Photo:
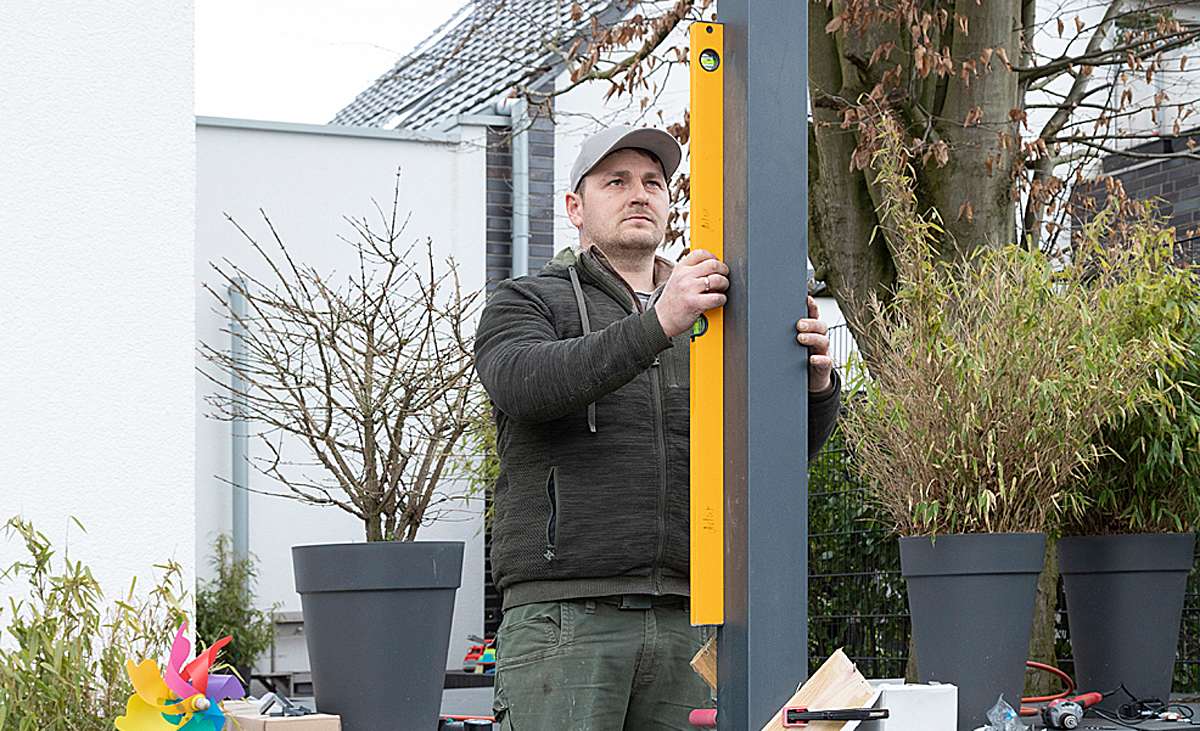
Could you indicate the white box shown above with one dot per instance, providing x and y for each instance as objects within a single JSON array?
[{"x": 932, "y": 707}]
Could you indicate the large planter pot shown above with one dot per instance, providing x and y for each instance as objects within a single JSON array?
[
  {"x": 377, "y": 623},
  {"x": 1124, "y": 603},
  {"x": 971, "y": 599}
]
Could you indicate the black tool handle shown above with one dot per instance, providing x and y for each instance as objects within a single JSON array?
[{"x": 795, "y": 715}]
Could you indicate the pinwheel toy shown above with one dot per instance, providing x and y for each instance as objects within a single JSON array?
[{"x": 180, "y": 696}]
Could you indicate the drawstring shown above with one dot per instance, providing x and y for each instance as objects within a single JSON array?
[{"x": 587, "y": 329}]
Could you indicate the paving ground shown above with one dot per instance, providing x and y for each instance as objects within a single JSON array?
[{"x": 467, "y": 702}]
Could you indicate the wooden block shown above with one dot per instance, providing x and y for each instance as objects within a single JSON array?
[
  {"x": 705, "y": 663},
  {"x": 836, "y": 684}
]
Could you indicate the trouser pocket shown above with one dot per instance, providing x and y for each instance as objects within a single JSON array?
[
  {"x": 532, "y": 632},
  {"x": 500, "y": 704}
]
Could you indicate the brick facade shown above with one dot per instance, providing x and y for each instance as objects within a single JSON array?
[
  {"x": 1173, "y": 182},
  {"x": 499, "y": 198}
]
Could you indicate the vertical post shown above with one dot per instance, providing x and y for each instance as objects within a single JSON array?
[
  {"x": 239, "y": 428},
  {"x": 762, "y": 647}
]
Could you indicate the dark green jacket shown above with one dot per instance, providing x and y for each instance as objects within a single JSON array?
[{"x": 591, "y": 405}]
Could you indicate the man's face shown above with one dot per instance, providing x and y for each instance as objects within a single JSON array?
[{"x": 622, "y": 204}]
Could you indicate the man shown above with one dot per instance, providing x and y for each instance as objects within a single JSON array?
[{"x": 587, "y": 367}]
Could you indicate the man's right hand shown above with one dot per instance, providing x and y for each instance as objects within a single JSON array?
[{"x": 697, "y": 284}]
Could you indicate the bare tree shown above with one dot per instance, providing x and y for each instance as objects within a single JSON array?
[{"x": 372, "y": 379}]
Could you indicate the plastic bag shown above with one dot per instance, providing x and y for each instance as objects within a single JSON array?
[{"x": 1002, "y": 717}]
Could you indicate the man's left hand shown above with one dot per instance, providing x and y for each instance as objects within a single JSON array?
[{"x": 814, "y": 334}]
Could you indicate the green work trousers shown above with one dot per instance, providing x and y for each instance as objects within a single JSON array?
[{"x": 589, "y": 665}]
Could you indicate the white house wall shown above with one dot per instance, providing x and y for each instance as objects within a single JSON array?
[
  {"x": 307, "y": 179},
  {"x": 96, "y": 400}
]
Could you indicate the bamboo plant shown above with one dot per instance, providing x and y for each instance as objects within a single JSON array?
[
  {"x": 64, "y": 642},
  {"x": 1147, "y": 477},
  {"x": 990, "y": 374}
]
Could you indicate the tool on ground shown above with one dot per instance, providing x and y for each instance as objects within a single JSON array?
[
  {"x": 707, "y": 376},
  {"x": 1068, "y": 688},
  {"x": 800, "y": 716},
  {"x": 286, "y": 706},
  {"x": 1067, "y": 713}
]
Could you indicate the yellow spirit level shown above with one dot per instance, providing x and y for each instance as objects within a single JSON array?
[{"x": 706, "y": 147}]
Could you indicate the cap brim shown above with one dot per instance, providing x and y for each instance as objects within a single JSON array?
[{"x": 655, "y": 141}]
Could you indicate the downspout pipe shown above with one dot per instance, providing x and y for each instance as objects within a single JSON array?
[
  {"x": 519, "y": 130},
  {"x": 239, "y": 426}
]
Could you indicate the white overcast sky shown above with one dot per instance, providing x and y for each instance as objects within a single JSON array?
[{"x": 301, "y": 60}]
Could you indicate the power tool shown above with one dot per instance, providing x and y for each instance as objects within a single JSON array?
[{"x": 1067, "y": 713}]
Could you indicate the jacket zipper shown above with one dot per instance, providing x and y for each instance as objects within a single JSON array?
[
  {"x": 552, "y": 521},
  {"x": 672, "y": 380},
  {"x": 659, "y": 428},
  {"x": 662, "y": 476}
]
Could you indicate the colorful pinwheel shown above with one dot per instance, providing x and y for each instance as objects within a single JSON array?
[{"x": 180, "y": 696}]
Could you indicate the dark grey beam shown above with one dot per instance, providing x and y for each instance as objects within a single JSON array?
[{"x": 762, "y": 648}]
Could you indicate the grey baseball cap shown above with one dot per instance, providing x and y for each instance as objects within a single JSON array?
[{"x": 598, "y": 146}]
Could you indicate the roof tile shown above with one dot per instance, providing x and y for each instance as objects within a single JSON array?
[{"x": 486, "y": 48}]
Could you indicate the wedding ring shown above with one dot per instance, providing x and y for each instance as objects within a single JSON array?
[{"x": 707, "y": 289}]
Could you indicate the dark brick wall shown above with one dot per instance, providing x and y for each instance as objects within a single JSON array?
[
  {"x": 499, "y": 205},
  {"x": 1173, "y": 182},
  {"x": 499, "y": 197}
]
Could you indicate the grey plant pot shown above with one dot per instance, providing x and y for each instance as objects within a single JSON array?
[
  {"x": 377, "y": 623},
  {"x": 971, "y": 599},
  {"x": 1124, "y": 603}
]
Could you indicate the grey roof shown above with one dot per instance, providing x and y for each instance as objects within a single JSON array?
[{"x": 478, "y": 55}]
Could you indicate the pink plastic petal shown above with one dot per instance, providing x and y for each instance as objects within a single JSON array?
[{"x": 180, "y": 649}]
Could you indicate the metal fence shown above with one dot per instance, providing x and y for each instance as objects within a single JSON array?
[
  {"x": 857, "y": 598},
  {"x": 856, "y": 595}
]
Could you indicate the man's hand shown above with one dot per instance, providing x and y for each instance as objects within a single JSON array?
[
  {"x": 697, "y": 284},
  {"x": 815, "y": 335}
]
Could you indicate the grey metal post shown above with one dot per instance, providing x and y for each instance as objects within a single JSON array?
[
  {"x": 762, "y": 647},
  {"x": 239, "y": 427},
  {"x": 520, "y": 187}
]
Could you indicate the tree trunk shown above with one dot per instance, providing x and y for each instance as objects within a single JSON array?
[
  {"x": 972, "y": 191},
  {"x": 846, "y": 253},
  {"x": 374, "y": 525},
  {"x": 1041, "y": 642},
  {"x": 910, "y": 668}
]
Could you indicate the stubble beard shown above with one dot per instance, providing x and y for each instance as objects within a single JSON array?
[{"x": 630, "y": 247}]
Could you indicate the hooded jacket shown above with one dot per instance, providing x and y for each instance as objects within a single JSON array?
[{"x": 592, "y": 414}]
